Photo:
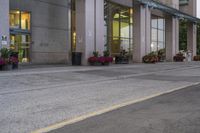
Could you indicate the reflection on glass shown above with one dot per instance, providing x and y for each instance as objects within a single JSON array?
[
  {"x": 20, "y": 20},
  {"x": 25, "y": 21},
  {"x": 21, "y": 44},
  {"x": 157, "y": 33},
  {"x": 15, "y": 19},
  {"x": 118, "y": 27}
]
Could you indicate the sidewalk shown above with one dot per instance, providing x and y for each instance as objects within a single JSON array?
[{"x": 31, "y": 99}]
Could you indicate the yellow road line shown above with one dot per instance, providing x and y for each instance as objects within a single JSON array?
[{"x": 114, "y": 107}]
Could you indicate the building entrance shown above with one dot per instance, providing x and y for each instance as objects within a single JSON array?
[
  {"x": 118, "y": 28},
  {"x": 21, "y": 44}
]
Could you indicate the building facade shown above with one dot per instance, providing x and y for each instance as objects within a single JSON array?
[{"x": 48, "y": 31}]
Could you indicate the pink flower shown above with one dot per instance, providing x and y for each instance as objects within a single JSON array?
[
  {"x": 14, "y": 59},
  {"x": 101, "y": 59},
  {"x": 2, "y": 61}
]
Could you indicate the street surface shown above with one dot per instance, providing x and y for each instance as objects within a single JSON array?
[
  {"x": 36, "y": 97},
  {"x": 177, "y": 112}
]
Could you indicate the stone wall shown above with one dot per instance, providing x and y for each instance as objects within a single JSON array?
[{"x": 49, "y": 27}]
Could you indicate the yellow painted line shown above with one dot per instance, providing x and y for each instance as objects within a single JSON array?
[{"x": 114, "y": 107}]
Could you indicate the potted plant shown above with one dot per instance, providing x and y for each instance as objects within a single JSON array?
[
  {"x": 161, "y": 55},
  {"x": 108, "y": 59},
  {"x": 150, "y": 58},
  {"x": 123, "y": 57},
  {"x": 196, "y": 58},
  {"x": 93, "y": 60},
  {"x": 179, "y": 57},
  {"x": 97, "y": 60},
  {"x": 2, "y": 64}
]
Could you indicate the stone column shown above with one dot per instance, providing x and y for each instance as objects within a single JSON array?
[
  {"x": 4, "y": 23},
  {"x": 192, "y": 38},
  {"x": 90, "y": 33},
  {"x": 141, "y": 32},
  {"x": 171, "y": 37}
]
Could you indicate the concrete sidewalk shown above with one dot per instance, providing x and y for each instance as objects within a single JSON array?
[{"x": 31, "y": 99}]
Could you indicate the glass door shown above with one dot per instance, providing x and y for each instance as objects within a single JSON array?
[
  {"x": 118, "y": 28},
  {"x": 21, "y": 44}
]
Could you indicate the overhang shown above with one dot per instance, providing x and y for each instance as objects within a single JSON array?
[{"x": 157, "y": 5}]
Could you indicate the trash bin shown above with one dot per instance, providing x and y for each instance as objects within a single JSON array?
[{"x": 76, "y": 58}]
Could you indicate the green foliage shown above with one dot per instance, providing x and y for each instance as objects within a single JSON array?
[
  {"x": 198, "y": 39},
  {"x": 183, "y": 35},
  {"x": 106, "y": 53},
  {"x": 96, "y": 54},
  {"x": 5, "y": 53}
]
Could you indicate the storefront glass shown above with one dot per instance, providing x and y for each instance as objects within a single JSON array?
[
  {"x": 73, "y": 26},
  {"x": 118, "y": 28},
  {"x": 157, "y": 34},
  {"x": 20, "y": 35}
]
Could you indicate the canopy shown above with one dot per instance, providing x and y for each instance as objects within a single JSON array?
[{"x": 175, "y": 12}]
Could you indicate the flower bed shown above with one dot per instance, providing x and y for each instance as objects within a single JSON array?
[
  {"x": 8, "y": 59},
  {"x": 150, "y": 58},
  {"x": 97, "y": 60},
  {"x": 196, "y": 58},
  {"x": 179, "y": 57}
]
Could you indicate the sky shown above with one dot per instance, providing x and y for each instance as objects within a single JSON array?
[{"x": 198, "y": 8}]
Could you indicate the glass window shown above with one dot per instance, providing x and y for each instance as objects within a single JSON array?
[
  {"x": 15, "y": 19},
  {"x": 157, "y": 34},
  {"x": 25, "y": 20},
  {"x": 154, "y": 23},
  {"x": 160, "y": 35},
  {"x": 154, "y": 34},
  {"x": 154, "y": 46},
  {"x": 161, "y": 45},
  {"x": 119, "y": 28},
  {"x": 161, "y": 24},
  {"x": 20, "y": 20}
]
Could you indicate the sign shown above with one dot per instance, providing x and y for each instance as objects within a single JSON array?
[{"x": 4, "y": 40}]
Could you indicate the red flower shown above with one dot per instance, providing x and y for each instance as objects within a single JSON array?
[
  {"x": 108, "y": 59},
  {"x": 93, "y": 59},
  {"x": 101, "y": 59}
]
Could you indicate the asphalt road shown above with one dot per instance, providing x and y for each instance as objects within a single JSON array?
[
  {"x": 35, "y": 98},
  {"x": 177, "y": 112}
]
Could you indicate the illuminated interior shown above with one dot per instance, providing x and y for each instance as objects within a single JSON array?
[
  {"x": 73, "y": 26},
  {"x": 118, "y": 28},
  {"x": 20, "y": 36}
]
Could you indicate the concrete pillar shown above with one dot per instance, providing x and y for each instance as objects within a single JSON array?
[
  {"x": 141, "y": 32},
  {"x": 148, "y": 29},
  {"x": 192, "y": 38},
  {"x": 90, "y": 33},
  {"x": 171, "y": 37},
  {"x": 4, "y": 23}
]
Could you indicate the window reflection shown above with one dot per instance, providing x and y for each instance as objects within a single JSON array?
[
  {"x": 25, "y": 20},
  {"x": 157, "y": 33},
  {"x": 15, "y": 19},
  {"x": 118, "y": 28},
  {"x": 19, "y": 20}
]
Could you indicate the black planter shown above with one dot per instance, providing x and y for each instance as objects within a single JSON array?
[
  {"x": 121, "y": 60},
  {"x": 15, "y": 66},
  {"x": 1, "y": 67},
  {"x": 76, "y": 58}
]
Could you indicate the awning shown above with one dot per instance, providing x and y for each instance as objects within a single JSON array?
[{"x": 169, "y": 10}]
